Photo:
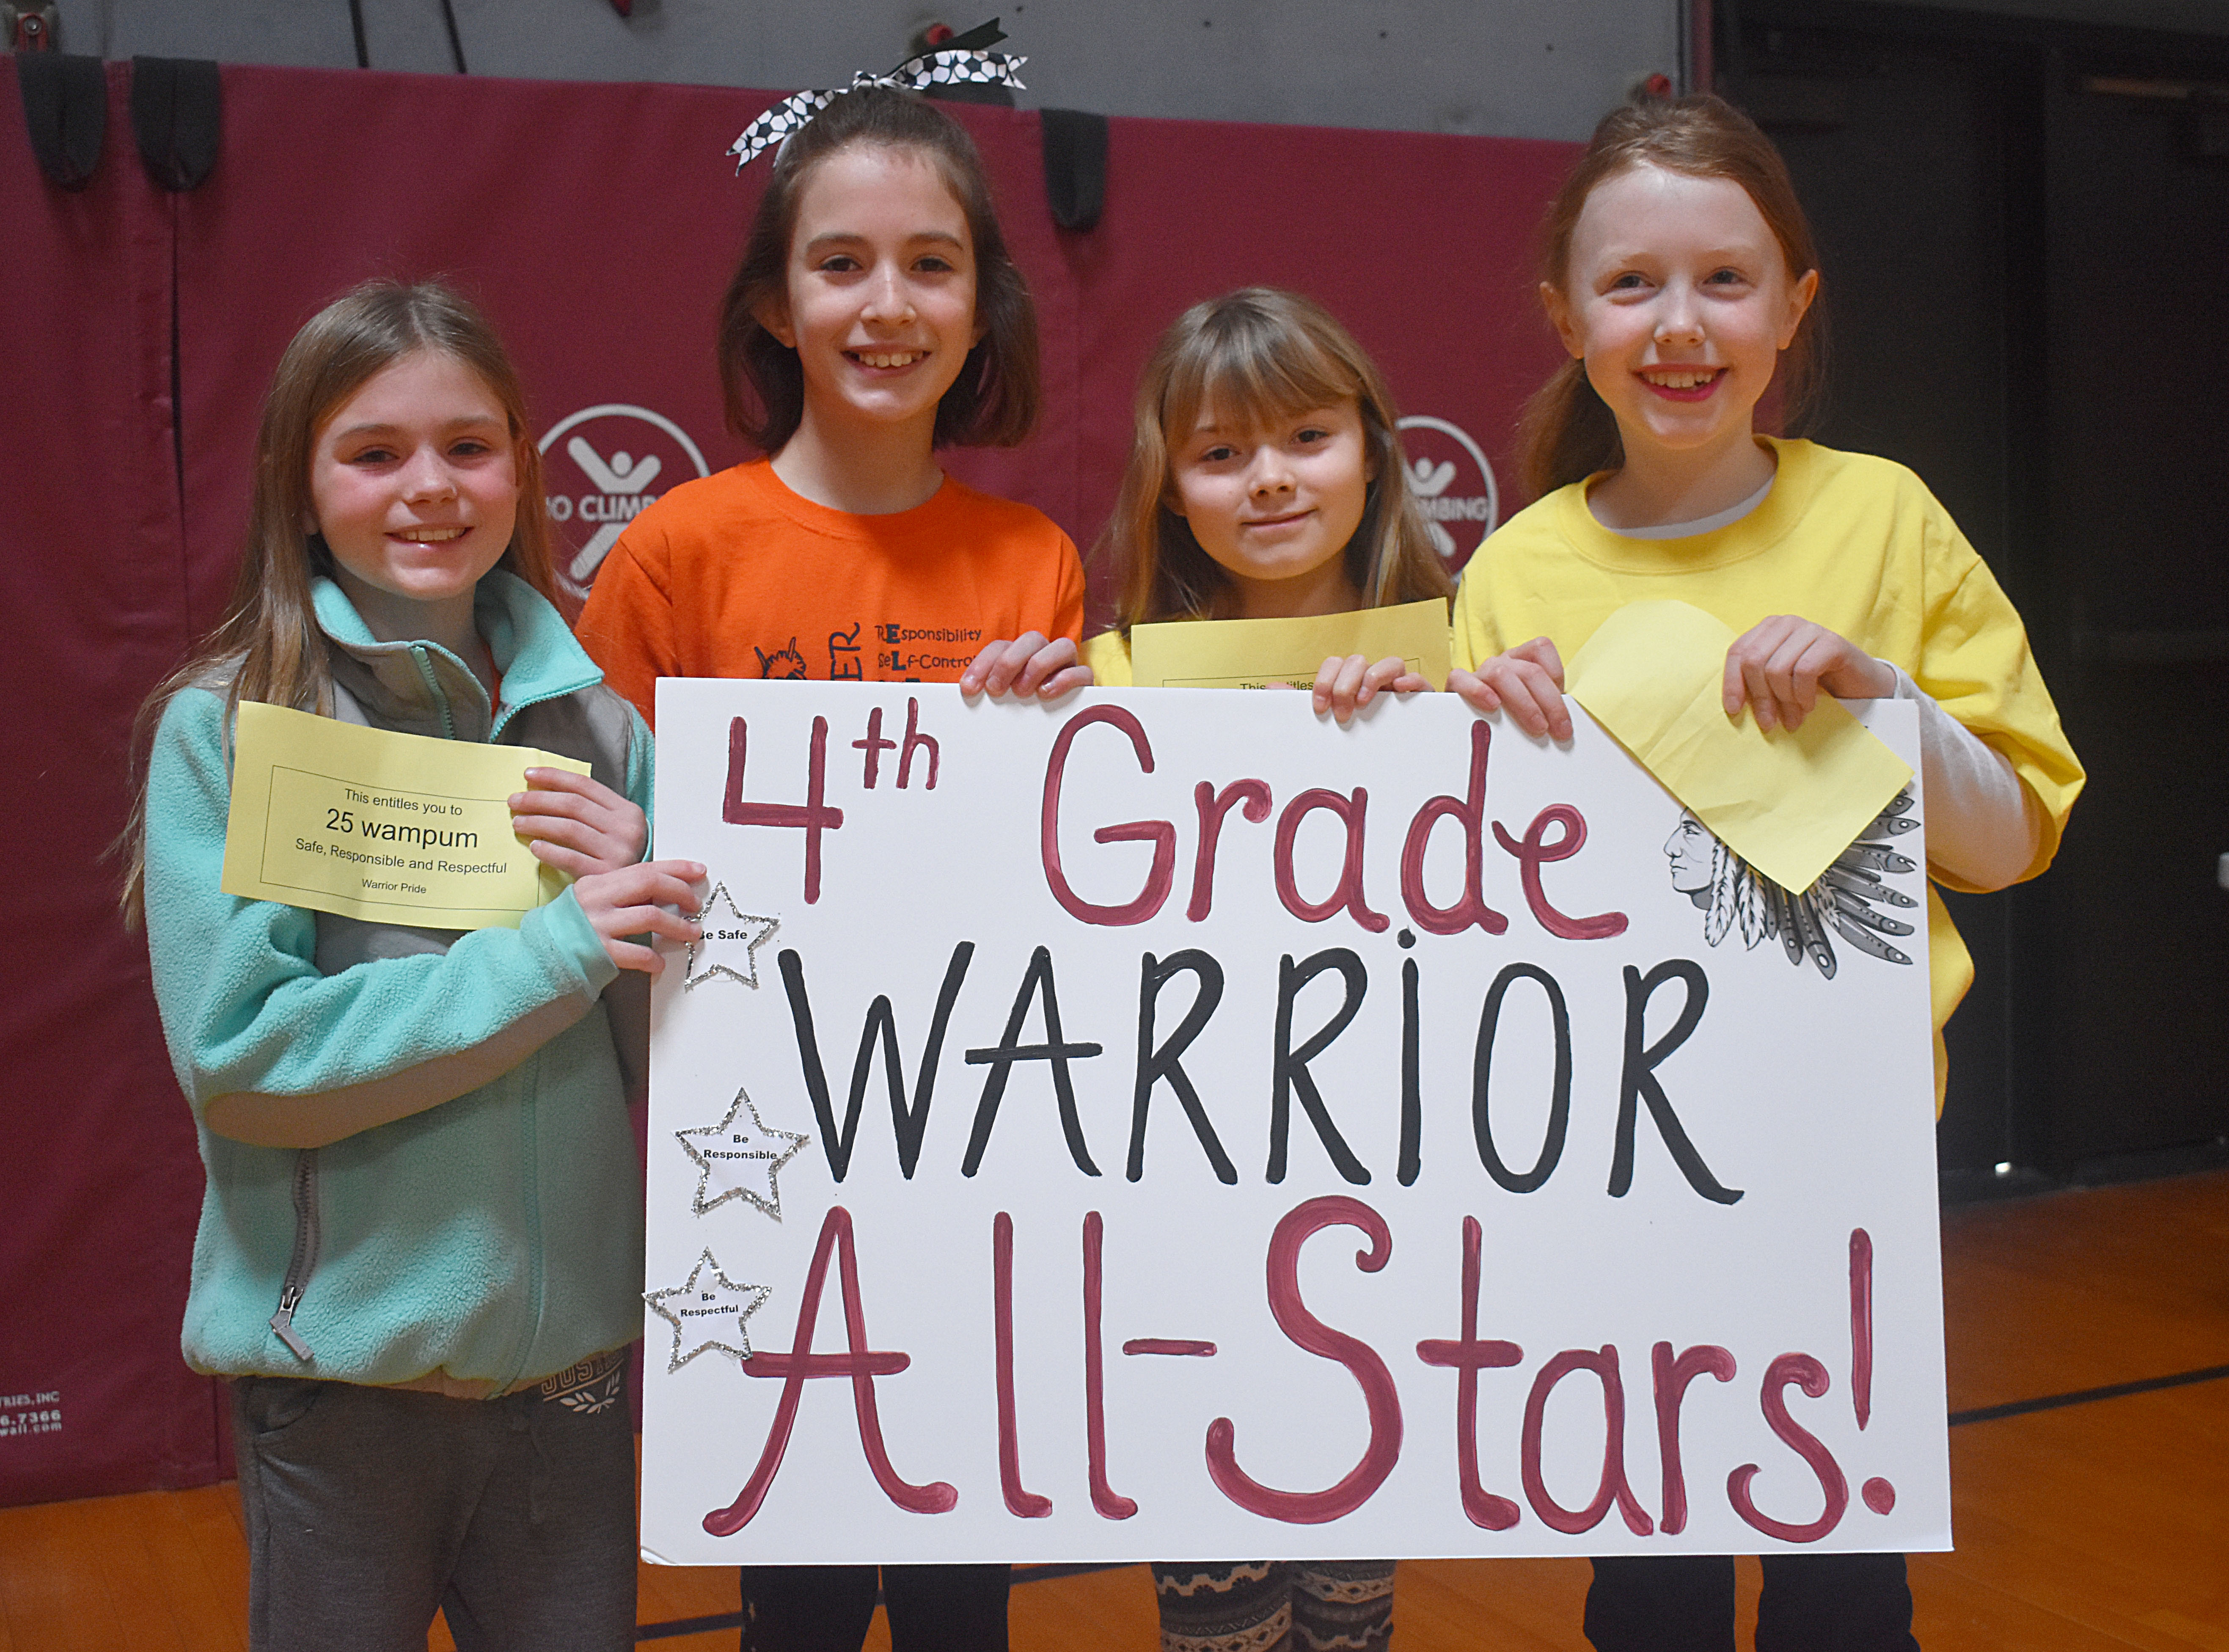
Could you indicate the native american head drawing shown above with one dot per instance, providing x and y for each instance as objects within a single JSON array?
[{"x": 1738, "y": 899}]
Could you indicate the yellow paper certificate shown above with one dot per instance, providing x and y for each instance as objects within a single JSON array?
[
  {"x": 371, "y": 824},
  {"x": 1253, "y": 653},
  {"x": 1786, "y": 803}
]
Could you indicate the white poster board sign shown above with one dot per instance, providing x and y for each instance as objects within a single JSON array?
[{"x": 1165, "y": 1123}]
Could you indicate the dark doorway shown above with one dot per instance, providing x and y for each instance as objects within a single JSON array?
[{"x": 2022, "y": 227}]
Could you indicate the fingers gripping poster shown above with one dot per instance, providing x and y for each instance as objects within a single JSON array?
[{"x": 1167, "y": 1123}]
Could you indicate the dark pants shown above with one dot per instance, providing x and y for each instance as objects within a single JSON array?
[
  {"x": 1811, "y": 1603},
  {"x": 826, "y": 1609},
  {"x": 368, "y": 1508}
]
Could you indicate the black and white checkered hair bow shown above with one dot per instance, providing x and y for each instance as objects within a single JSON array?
[{"x": 960, "y": 61}]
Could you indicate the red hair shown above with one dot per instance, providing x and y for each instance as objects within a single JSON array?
[{"x": 1567, "y": 432}]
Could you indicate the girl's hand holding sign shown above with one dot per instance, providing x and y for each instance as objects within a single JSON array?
[
  {"x": 1343, "y": 686},
  {"x": 1526, "y": 681},
  {"x": 648, "y": 899},
  {"x": 1027, "y": 666}
]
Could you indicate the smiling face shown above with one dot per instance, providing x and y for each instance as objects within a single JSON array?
[
  {"x": 1275, "y": 505},
  {"x": 1679, "y": 299},
  {"x": 880, "y": 298},
  {"x": 414, "y": 486}
]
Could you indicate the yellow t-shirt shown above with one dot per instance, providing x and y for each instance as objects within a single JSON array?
[
  {"x": 1108, "y": 656},
  {"x": 1855, "y": 544}
]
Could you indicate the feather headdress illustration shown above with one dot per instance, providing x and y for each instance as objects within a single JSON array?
[{"x": 1738, "y": 899}]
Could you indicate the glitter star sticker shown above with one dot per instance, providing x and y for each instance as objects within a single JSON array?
[
  {"x": 697, "y": 1308},
  {"x": 730, "y": 934},
  {"x": 744, "y": 1153}
]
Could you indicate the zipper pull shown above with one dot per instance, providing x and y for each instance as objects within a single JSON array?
[{"x": 283, "y": 1323}]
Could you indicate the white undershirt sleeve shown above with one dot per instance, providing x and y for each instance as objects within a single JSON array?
[{"x": 1983, "y": 826}]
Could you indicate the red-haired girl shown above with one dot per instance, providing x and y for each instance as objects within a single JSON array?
[{"x": 1680, "y": 276}]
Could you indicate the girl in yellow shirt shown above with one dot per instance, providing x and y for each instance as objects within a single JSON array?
[{"x": 1680, "y": 276}]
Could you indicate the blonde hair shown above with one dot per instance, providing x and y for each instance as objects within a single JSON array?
[
  {"x": 1254, "y": 356},
  {"x": 1567, "y": 432},
  {"x": 268, "y": 647}
]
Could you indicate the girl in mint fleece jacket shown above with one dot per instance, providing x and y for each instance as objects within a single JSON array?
[{"x": 419, "y": 1251}]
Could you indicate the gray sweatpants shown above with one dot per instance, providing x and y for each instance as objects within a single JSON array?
[{"x": 367, "y": 1508}]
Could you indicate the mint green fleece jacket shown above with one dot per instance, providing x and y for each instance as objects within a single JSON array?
[{"x": 495, "y": 1236}]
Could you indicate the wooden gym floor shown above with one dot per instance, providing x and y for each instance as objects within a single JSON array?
[{"x": 2089, "y": 1386}]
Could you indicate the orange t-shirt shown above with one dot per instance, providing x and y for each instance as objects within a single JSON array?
[{"x": 735, "y": 576}]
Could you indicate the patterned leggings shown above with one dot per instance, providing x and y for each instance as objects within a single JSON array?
[{"x": 1275, "y": 1605}]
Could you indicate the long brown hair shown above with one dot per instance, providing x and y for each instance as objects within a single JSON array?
[
  {"x": 993, "y": 403},
  {"x": 268, "y": 647},
  {"x": 1254, "y": 356},
  {"x": 1567, "y": 432}
]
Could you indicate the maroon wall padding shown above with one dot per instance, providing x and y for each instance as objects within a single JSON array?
[
  {"x": 598, "y": 224},
  {"x": 593, "y": 222},
  {"x": 99, "y": 1181}
]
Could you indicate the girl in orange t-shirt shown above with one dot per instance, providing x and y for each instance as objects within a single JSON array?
[{"x": 875, "y": 317}]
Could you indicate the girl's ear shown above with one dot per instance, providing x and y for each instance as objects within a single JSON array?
[
  {"x": 774, "y": 316},
  {"x": 1560, "y": 318},
  {"x": 1800, "y": 294}
]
